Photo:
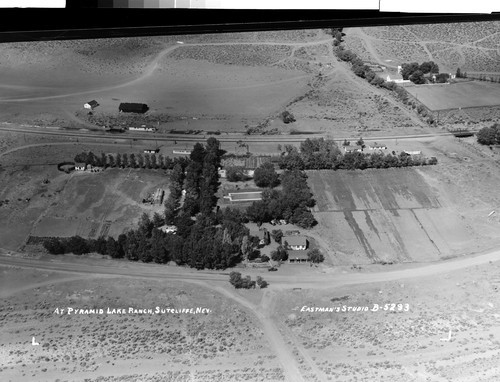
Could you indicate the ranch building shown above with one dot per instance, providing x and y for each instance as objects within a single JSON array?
[
  {"x": 151, "y": 151},
  {"x": 91, "y": 105},
  {"x": 133, "y": 107},
  {"x": 351, "y": 149},
  {"x": 80, "y": 166},
  {"x": 294, "y": 243},
  {"x": 377, "y": 146},
  {"x": 298, "y": 257}
]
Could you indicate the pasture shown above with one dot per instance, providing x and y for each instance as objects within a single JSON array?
[
  {"x": 93, "y": 204},
  {"x": 459, "y": 95},
  {"x": 384, "y": 215}
]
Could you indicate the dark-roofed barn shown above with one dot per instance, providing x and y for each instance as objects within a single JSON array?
[{"x": 133, "y": 107}]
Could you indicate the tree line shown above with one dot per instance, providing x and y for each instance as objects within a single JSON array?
[
  {"x": 133, "y": 160},
  {"x": 489, "y": 135},
  {"x": 324, "y": 154}
]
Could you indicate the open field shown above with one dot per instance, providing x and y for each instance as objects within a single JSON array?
[
  {"x": 78, "y": 203},
  {"x": 459, "y": 95},
  {"x": 126, "y": 346},
  {"x": 381, "y": 345},
  {"x": 413, "y": 214}
]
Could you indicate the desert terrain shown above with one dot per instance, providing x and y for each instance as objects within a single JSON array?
[{"x": 404, "y": 236}]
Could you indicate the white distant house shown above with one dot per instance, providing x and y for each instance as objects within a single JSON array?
[
  {"x": 80, "y": 166},
  {"x": 397, "y": 80},
  {"x": 414, "y": 152},
  {"x": 377, "y": 146},
  {"x": 91, "y": 105},
  {"x": 295, "y": 257}
]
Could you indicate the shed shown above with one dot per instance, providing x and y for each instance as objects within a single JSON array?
[
  {"x": 91, "y": 104},
  {"x": 295, "y": 243},
  {"x": 298, "y": 256},
  {"x": 133, "y": 107}
]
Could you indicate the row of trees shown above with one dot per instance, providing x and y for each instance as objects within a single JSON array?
[
  {"x": 139, "y": 160},
  {"x": 489, "y": 135},
  {"x": 364, "y": 71},
  {"x": 321, "y": 154},
  {"x": 212, "y": 242},
  {"x": 292, "y": 203},
  {"x": 246, "y": 282}
]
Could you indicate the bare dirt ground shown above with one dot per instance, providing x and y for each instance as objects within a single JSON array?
[
  {"x": 126, "y": 346},
  {"x": 473, "y": 47},
  {"x": 413, "y": 214},
  {"x": 78, "y": 203}
]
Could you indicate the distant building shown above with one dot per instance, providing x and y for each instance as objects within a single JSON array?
[
  {"x": 298, "y": 256},
  {"x": 80, "y": 166},
  {"x": 294, "y": 243},
  {"x": 377, "y": 146},
  {"x": 168, "y": 228},
  {"x": 151, "y": 151},
  {"x": 415, "y": 152},
  {"x": 91, "y": 105},
  {"x": 182, "y": 152},
  {"x": 142, "y": 128},
  {"x": 133, "y": 107},
  {"x": 351, "y": 149}
]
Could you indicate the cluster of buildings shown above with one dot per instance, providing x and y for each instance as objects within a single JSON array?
[
  {"x": 156, "y": 197},
  {"x": 88, "y": 167}
]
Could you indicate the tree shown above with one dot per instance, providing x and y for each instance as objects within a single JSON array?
[
  {"x": 103, "y": 160},
  {"x": 408, "y": 69},
  {"x": 417, "y": 77},
  {"x": 459, "y": 73},
  {"x": 277, "y": 234},
  {"x": 487, "y": 136},
  {"x": 235, "y": 174},
  {"x": 280, "y": 254},
  {"x": 157, "y": 220},
  {"x": 125, "y": 163},
  {"x": 118, "y": 160},
  {"x": 287, "y": 117},
  {"x": 360, "y": 142},
  {"x": 261, "y": 282},
  {"x": 111, "y": 160},
  {"x": 112, "y": 248},
  {"x": 133, "y": 161},
  {"x": 235, "y": 279},
  {"x": 140, "y": 160},
  {"x": 265, "y": 176},
  {"x": 154, "y": 163},
  {"x": 147, "y": 161},
  {"x": 54, "y": 246},
  {"x": 315, "y": 256}
]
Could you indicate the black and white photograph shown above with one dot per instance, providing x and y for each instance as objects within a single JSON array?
[{"x": 299, "y": 205}]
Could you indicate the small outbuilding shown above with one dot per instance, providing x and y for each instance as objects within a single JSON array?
[
  {"x": 91, "y": 105},
  {"x": 352, "y": 149},
  {"x": 133, "y": 107}
]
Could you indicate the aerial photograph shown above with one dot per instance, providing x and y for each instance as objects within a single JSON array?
[{"x": 290, "y": 205}]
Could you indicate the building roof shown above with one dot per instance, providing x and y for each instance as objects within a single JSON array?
[
  {"x": 298, "y": 255},
  {"x": 93, "y": 103},
  {"x": 294, "y": 240},
  {"x": 352, "y": 148},
  {"x": 133, "y": 107},
  {"x": 79, "y": 164}
]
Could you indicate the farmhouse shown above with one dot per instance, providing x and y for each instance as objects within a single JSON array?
[
  {"x": 415, "y": 152},
  {"x": 298, "y": 257},
  {"x": 182, "y": 152},
  {"x": 151, "y": 151},
  {"x": 351, "y": 149},
  {"x": 294, "y": 243},
  {"x": 80, "y": 166},
  {"x": 133, "y": 107},
  {"x": 91, "y": 105}
]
